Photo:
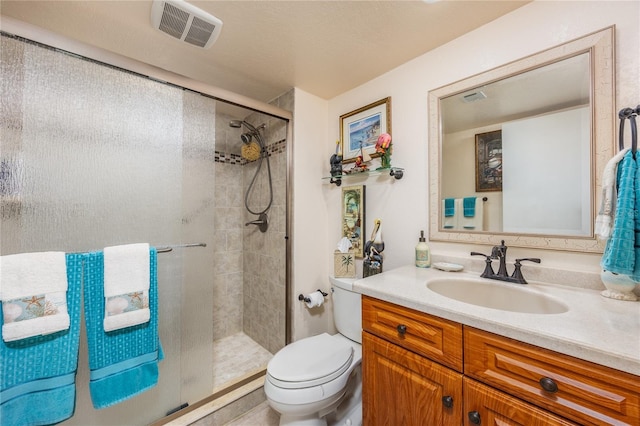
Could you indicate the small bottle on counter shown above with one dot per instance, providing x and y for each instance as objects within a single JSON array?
[{"x": 423, "y": 254}]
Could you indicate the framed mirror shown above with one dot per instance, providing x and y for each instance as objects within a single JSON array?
[{"x": 517, "y": 152}]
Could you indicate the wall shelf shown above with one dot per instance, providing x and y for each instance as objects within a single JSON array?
[{"x": 396, "y": 172}]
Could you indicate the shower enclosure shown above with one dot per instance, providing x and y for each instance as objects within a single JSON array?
[{"x": 93, "y": 156}]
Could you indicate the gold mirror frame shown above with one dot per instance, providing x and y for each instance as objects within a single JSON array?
[{"x": 600, "y": 46}]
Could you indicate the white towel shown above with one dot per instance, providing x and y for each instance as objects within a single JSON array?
[
  {"x": 33, "y": 290},
  {"x": 471, "y": 223},
  {"x": 126, "y": 286},
  {"x": 604, "y": 220}
]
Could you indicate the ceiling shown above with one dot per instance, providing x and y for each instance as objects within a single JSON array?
[
  {"x": 267, "y": 47},
  {"x": 553, "y": 87}
]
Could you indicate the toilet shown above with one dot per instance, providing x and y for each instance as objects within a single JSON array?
[{"x": 317, "y": 381}]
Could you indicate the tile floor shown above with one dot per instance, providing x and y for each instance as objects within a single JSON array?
[
  {"x": 262, "y": 415},
  {"x": 236, "y": 355}
]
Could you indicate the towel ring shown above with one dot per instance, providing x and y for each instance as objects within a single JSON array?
[{"x": 629, "y": 113}]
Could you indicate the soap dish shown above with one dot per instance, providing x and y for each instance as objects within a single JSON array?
[{"x": 449, "y": 267}]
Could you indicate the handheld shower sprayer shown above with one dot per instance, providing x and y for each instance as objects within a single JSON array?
[{"x": 257, "y": 152}]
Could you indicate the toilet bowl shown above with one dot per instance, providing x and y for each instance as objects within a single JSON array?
[{"x": 317, "y": 380}]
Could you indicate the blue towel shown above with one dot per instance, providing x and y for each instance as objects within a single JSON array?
[
  {"x": 449, "y": 207},
  {"x": 469, "y": 206},
  {"x": 621, "y": 251},
  {"x": 124, "y": 362},
  {"x": 37, "y": 384}
]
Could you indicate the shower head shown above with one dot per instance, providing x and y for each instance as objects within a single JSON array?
[
  {"x": 245, "y": 137},
  {"x": 236, "y": 124},
  {"x": 252, "y": 133}
]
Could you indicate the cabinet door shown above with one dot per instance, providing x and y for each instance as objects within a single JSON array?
[
  {"x": 401, "y": 388},
  {"x": 486, "y": 406}
]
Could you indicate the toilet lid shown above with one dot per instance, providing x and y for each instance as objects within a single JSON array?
[{"x": 316, "y": 359}]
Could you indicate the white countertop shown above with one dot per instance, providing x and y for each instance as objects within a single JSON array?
[{"x": 595, "y": 328}]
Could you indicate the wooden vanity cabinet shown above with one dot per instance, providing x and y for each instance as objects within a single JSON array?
[
  {"x": 413, "y": 368},
  {"x": 486, "y": 406},
  {"x": 582, "y": 391},
  {"x": 435, "y": 338},
  {"x": 401, "y": 386}
]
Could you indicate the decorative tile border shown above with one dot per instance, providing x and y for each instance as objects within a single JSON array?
[
  {"x": 223, "y": 157},
  {"x": 278, "y": 147}
]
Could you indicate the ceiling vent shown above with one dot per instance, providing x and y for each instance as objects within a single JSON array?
[
  {"x": 185, "y": 22},
  {"x": 475, "y": 96}
]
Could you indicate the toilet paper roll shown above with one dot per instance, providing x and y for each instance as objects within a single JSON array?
[{"x": 315, "y": 299}]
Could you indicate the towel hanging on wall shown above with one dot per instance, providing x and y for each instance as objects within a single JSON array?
[{"x": 622, "y": 252}]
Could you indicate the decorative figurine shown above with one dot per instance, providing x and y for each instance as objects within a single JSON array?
[
  {"x": 383, "y": 147},
  {"x": 361, "y": 162},
  {"x": 336, "y": 165},
  {"x": 360, "y": 165},
  {"x": 372, "y": 263}
]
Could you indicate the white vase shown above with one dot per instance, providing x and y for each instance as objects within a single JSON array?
[{"x": 618, "y": 286}]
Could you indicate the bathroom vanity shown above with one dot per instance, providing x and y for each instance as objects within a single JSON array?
[{"x": 429, "y": 359}]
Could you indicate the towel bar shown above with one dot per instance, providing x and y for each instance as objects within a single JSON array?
[{"x": 166, "y": 249}]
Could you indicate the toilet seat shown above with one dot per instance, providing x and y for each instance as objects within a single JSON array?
[{"x": 310, "y": 362}]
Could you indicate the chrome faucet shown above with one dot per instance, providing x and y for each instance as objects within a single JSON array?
[{"x": 500, "y": 253}]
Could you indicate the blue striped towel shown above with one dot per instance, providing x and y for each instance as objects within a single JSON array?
[
  {"x": 124, "y": 362},
  {"x": 37, "y": 384},
  {"x": 469, "y": 206},
  {"x": 449, "y": 207},
  {"x": 621, "y": 251}
]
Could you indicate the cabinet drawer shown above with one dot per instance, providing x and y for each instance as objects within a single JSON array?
[
  {"x": 486, "y": 406},
  {"x": 584, "y": 392},
  {"x": 437, "y": 339}
]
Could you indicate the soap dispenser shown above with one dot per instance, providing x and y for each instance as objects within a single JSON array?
[{"x": 423, "y": 254}]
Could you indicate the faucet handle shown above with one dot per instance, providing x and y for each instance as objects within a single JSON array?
[
  {"x": 517, "y": 272},
  {"x": 475, "y": 253},
  {"x": 529, "y": 259},
  {"x": 488, "y": 270}
]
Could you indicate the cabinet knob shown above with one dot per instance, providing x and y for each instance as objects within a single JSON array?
[
  {"x": 447, "y": 401},
  {"x": 474, "y": 417},
  {"x": 402, "y": 329},
  {"x": 549, "y": 385}
]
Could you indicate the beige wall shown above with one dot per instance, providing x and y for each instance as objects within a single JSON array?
[
  {"x": 311, "y": 242},
  {"x": 403, "y": 205}
]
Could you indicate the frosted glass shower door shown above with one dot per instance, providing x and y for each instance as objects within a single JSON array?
[{"x": 93, "y": 156}]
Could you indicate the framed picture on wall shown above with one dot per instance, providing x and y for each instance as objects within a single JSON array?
[
  {"x": 353, "y": 220},
  {"x": 489, "y": 161},
  {"x": 359, "y": 129}
]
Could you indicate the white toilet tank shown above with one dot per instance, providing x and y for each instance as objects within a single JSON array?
[{"x": 347, "y": 308}]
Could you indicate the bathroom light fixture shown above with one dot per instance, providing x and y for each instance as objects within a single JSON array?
[{"x": 185, "y": 22}]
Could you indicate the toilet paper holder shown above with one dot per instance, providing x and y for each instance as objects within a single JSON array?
[{"x": 306, "y": 299}]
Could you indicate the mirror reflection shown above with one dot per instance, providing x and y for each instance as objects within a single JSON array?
[
  {"x": 516, "y": 153},
  {"x": 523, "y": 144}
]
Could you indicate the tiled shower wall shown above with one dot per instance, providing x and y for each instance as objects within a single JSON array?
[
  {"x": 250, "y": 270},
  {"x": 228, "y": 224},
  {"x": 265, "y": 253}
]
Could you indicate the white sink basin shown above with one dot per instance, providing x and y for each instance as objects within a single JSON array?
[{"x": 502, "y": 296}]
